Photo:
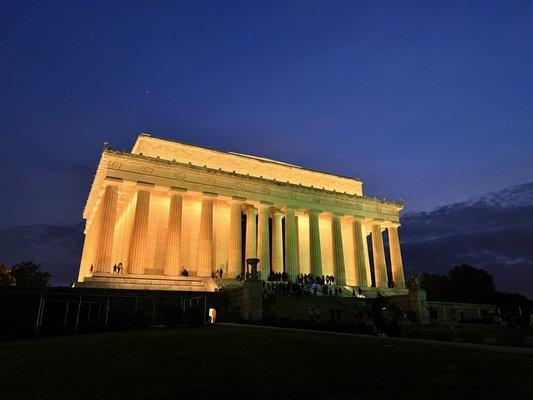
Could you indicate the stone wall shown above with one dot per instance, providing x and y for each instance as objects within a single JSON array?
[
  {"x": 247, "y": 300},
  {"x": 448, "y": 312}
]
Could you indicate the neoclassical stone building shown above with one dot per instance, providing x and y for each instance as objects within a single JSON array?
[{"x": 168, "y": 206}]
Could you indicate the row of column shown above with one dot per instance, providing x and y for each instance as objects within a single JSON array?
[
  {"x": 259, "y": 246},
  {"x": 257, "y": 240}
]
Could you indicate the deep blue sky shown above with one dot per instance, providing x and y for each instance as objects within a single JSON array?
[{"x": 429, "y": 102}]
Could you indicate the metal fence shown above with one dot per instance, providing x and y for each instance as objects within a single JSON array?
[{"x": 53, "y": 312}]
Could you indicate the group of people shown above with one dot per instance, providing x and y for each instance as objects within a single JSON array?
[
  {"x": 217, "y": 273},
  {"x": 305, "y": 284},
  {"x": 117, "y": 268},
  {"x": 307, "y": 279},
  {"x": 278, "y": 277}
]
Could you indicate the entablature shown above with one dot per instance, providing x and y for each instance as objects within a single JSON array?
[{"x": 164, "y": 174}]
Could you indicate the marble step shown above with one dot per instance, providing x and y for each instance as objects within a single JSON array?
[
  {"x": 148, "y": 282},
  {"x": 145, "y": 281},
  {"x": 114, "y": 285}
]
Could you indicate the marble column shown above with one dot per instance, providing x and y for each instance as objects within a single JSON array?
[
  {"x": 378, "y": 253},
  {"x": 366, "y": 235},
  {"x": 314, "y": 243},
  {"x": 172, "y": 263},
  {"x": 277, "y": 242},
  {"x": 95, "y": 229},
  {"x": 263, "y": 242},
  {"x": 235, "y": 240},
  {"x": 205, "y": 239},
  {"x": 359, "y": 247},
  {"x": 396, "y": 257},
  {"x": 291, "y": 245},
  {"x": 85, "y": 257},
  {"x": 106, "y": 232},
  {"x": 136, "y": 257},
  {"x": 89, "y": 247},
  {"x": 297, "y": 228},
  {"x": 251, "y": 233},
  {"x": 338, "y": 250}
]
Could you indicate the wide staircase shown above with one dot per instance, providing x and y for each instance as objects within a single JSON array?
[
  {"x": 149, "y": 282},
  {"x": 227, "y": 283}
]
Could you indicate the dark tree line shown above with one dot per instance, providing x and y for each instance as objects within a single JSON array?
[
  {"x": 24, "y": 275},
  {"x": 467, "y": 284}
]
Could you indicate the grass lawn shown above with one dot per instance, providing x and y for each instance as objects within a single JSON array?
[{"x": 248, "y": 362}]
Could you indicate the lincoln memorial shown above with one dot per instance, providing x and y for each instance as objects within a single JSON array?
[{"x": 168, "y": 207}]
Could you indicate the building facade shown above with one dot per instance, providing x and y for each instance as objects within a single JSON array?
[{"x": 167, "y": 206}]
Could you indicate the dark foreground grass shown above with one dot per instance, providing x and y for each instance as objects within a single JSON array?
[{"x": 246, "y": 362}]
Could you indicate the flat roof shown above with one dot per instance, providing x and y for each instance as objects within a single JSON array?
[{"x": 263, "y": 159}]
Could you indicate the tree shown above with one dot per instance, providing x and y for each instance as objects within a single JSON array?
[
  {"x": 470, "y": 284},
  {"x": 463, "y": 283},
  {"x": 437, "y": 286},
  {"x": 467, "y": 284},
  {"x": 28, "y": 275},
  {"x": 5, "y": 276}
]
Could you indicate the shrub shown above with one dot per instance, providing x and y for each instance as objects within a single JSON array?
[
  {"x": 470, "y": 336},
  {"x": 411, "y": 332},
  {"x": 443, "y": 334},
  {"x": 511, "y": 337}
]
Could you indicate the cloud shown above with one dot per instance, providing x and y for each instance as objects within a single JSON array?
[{"x": 493, "y": 232}]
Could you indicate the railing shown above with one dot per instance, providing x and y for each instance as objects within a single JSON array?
[
  {"x": 68, "y": 311},
  {"x": 219, "y": 282}
]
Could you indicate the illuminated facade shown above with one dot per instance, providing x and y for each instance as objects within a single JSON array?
[{"x": 169, "y": 206}]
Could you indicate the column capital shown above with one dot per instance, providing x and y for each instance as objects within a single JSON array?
[
  {"x": 112, "y": 181},
  {"x": 250, "y": 209},
  {"x": 144, "y": 185},
  {"x": 314, "y": 211},
  {"x": 337, "y": 215},
  {"x": 262, "y": 206},
  {"x": 176, "y": 190},
  {"x": 209, "y": 195},
  {"x": 278, "y": 214},
  {"x": 291, "y": 207},
  {"x": 238, "y": 199}
]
